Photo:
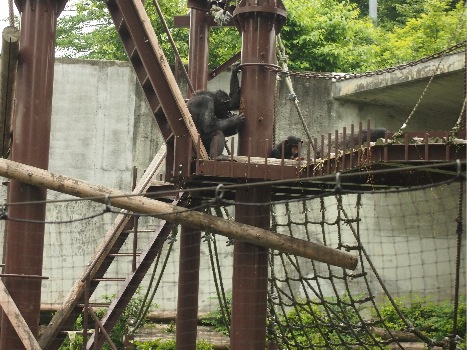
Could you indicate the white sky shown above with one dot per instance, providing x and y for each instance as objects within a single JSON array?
[{"x": 4, "y": 13}]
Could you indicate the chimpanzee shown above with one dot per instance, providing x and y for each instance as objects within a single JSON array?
[
  {"x": 211, "y": 113},
  {"x": 290, "y": 148}
]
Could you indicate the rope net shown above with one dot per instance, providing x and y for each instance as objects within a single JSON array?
[
  {"x": 409, "y": 285},
  {"x": 408, "y": 245}
]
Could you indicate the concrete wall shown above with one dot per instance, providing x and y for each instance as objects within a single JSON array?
[
  {"x": 102, "y": 127},
  {"x": 387, "y": 99}
]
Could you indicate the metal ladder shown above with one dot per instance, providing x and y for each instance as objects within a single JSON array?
[{"x": 76, "y": 300}]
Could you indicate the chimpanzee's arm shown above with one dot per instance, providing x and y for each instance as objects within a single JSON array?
[
  {"x": 277, "y": 151},
  {"x": 234, "y": 88},
  {"x": 230, "y": 126}
]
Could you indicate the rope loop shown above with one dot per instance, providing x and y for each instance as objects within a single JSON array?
[
  {"x": 219, "y": 193},
  {"x": 338, "y": 187}
]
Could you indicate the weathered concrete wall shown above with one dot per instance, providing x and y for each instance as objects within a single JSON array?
[
  {"x": 386, "y": 99},
  {"x": 102, "y": 127}
]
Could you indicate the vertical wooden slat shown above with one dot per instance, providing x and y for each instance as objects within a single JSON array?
[
  {"x": 328, "y": 156},
  {"x": 352, "y": 144},
  {"x": 427, "y": 155},
  {"x": 406, "y": 147},
  {"x": 344, "y": 147}
]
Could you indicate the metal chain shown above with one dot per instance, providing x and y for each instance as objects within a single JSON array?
[{"x": 337, "y": 77}]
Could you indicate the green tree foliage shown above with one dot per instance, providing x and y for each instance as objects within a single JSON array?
[
  {"x": 438, "y": 27},
  {"x": 319, "y": 35},
  {"x": 329, "y": 35},
  {"x": 395, "y": 13},
  {"x": 86, "y": 30}
]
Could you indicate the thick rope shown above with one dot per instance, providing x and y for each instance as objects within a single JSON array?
[
  {"x": 459, "y": 232},
  {"x": 11, "y": 16},
  {"x": 282, "y": 59},
  {"x": 147, "y": 300}
]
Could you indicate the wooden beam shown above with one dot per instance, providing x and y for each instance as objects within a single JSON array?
[
  {"x": 9, "y": 63},
  {"x": 161, "y": 210},
  {"x": 17, "y": 321},
  {"x": 77, "y": 291}
]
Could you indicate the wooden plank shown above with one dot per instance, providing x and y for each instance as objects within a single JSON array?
[{"x": 17, "y": 321}]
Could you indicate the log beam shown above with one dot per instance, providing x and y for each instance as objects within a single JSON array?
[
  {"x": 204, "y": 222},
  {"x": 9, "y": 63}
]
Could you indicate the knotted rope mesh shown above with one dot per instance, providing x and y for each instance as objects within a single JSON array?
[{"x": 409, "y": 249}]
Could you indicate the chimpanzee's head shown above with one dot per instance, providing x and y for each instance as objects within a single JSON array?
[
  {"x": 292, "y": 143},
  {"x": 221, "y": 104}
]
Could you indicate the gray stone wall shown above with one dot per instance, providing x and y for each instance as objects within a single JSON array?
[{"x": 102, "y": 127}]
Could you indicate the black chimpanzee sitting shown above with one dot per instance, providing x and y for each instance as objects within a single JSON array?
[
  {"x": 290, "y": 148},
  {"x": 211, "y": 113}
]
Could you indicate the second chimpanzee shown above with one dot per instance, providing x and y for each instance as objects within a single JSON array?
[
  {"x": 291, "y": 147},
  {"x": 211, "y": 113}
]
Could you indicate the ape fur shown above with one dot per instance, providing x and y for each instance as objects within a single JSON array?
[
  {"x": 211, "y": 113},
  {"x": 290, "y": 148}
]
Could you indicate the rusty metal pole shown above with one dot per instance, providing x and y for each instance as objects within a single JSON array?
[
  {"x": 24, "y": 241},
  {"x": 199, "y": 44},
  {"x": 259, "y": 22},
  {"x": 190, "y": 239}
]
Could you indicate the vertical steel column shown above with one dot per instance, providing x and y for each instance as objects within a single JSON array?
[
  {"x": 190, "y": 239},
  {"x": 24, "y": 241},
  {"x": 199, "y": 44},
  {"x": 259, "y": 24}
]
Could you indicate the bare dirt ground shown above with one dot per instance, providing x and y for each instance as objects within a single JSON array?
[
  {"x": 163, "y": 331},
  {"x": 222, "y": 342}
]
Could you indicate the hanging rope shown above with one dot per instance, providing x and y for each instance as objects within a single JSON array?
[
  {"x": 442, "y": 56},
  {"x": 11, "y": 17},
  {"x": 217, "y": 275},
  {"x": 283, "y": 59},
  {"x": 460, "y": 123},
  {"x": 172, "y": 43},
  {"x": 453, "y": 340},
  {"x": 147, "y": 300}
]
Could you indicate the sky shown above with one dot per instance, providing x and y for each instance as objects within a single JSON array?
[{"x": 4, "y": 12}]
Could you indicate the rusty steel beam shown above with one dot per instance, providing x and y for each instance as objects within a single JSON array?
[
  {"x": 199, "y": 45},
  {"x": 190, "y": 240},
  {"x": 156, "y": 78},
  {"x": 259, "y": 23},
  {"x": 24, "y": 240}
]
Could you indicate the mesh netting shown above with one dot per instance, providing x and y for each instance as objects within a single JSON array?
[{"x": 407, "y": 287}]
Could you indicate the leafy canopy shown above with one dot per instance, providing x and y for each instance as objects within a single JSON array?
[
  {"x": 438, "y": 27},
  {"x": 319, "y": 35},
  {"x": 329, "y": 35}
]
